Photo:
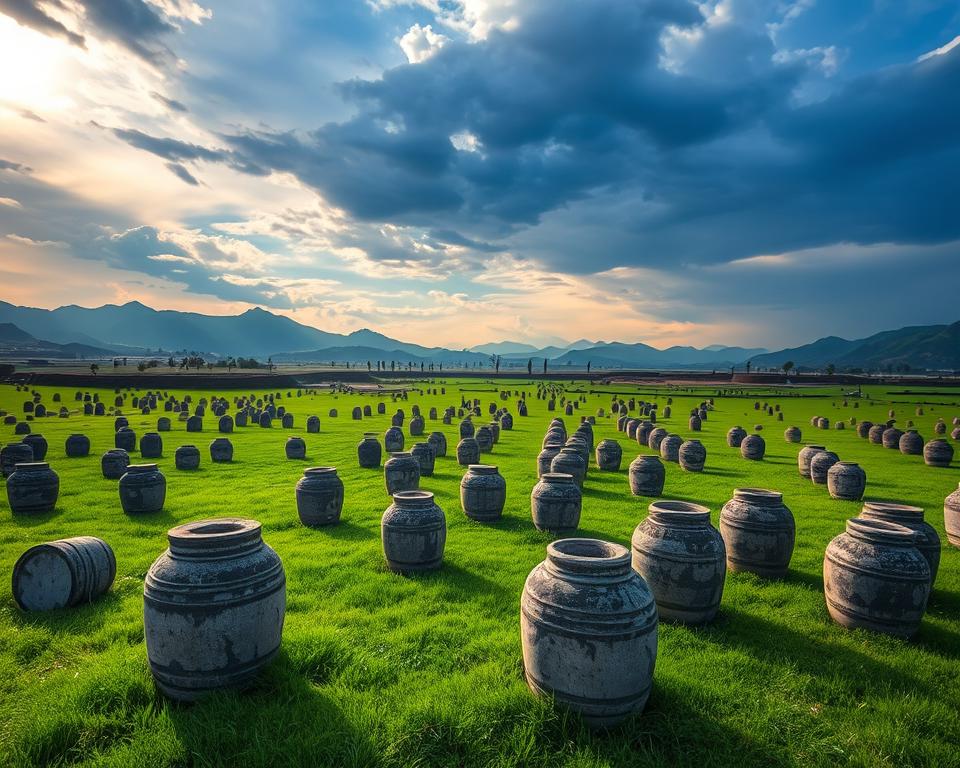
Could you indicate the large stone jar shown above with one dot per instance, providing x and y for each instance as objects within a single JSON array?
[
  {"x": 569, "y": 461},
  {"x": 646, "y": 476},
  {"x": 438, "y": 441},
  {"x": 938, "y": 453},
  {"x": 588, "y": 627},
  {"x": 414, "y": 532},
  {"x": 874, "y": 577},
  {"x": 38, "y": 443},
  {"x": 114, "y": 463},
  {"x": 416, "y": 426},
  {"x": 484, "y": 438},
  {"x": 792, "y": 434},
  {"x": 393, "y": 440},
  {"x": 468, "y": 451},
  {"x": 609, "y": 455},
  {"x": 77, "y": 446},
  {"x": 295, "y": 447},
  {"x": 225, "y": 424},
  {"x": 753, "y": 447},
  {"x": 213, "y": 607},
  {"x": 187, "y": 457},
  {"x": 758, "y": 532},
  {"x": 151, "y": 446},
  {"x": 401, "y": 472},
  {"x": 221, "y": 450},
  {"x": 804, "y": 457},
  {"x": 657, "y": 436},
  {"x": 483, "y": 492},
  {"x": 951, "y": 517},
  {"x": 694, "y": 423},
  {"x": 546, "y": 456},
  {"x": 319, "y": 497},
  {"x": 670, "y": 448},
  {"x": 928, "y": 540},
  {"x": 735, "y": 436},
  {"x": 369, "y": 451},
  {"x": 64, "y": 573},
  {"x": 143, "y": 489},
  {"x": 863, "y": 429},
  {"x": 466, "y": 428},
  {"x": 911, "y": 443},
  {"x": 692, "y": 456},
  {"x": 643, "y": 432},
  {"x": 846, "y": 480},
  {"x": 194, "y": 423},
  {"x": 556, "y": 502},
  {"x": 313, "y": 424},
  {"x": 33, "y": 488},
  {"x": 682, "y": 559},
  {"x": 126, "y": 439},
  {"x": 875, "y": 433},
  {"x": 12, "y": 454},
  {"x": 891, "y": 438},
  {"x": 820, "y": 464},
  {"x": 423, "y": 453}
]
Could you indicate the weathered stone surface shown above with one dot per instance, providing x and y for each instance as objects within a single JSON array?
[
  {"x": 295, "y": 447},
  {"x": 319, "y": 497},
  {"x": 609, "y": 455},
  {"x": 938, "y": 453},
  {"x": 424, "y": 455},
  {"x": 414, "y": 532},
  {"x": 187, "y": 457},
  {"x": 670, "y": 448},
  {"x": 758, "y": 532},
  {"x": 951, "y": 517},
  {"x": 681, "y": 557},
  {"x": 692, "y": 456},
  {"x": 401, "y": 472},
  {"x": 569, "y": 461},
  {"x": 142, "y": 489},
  {"x": 753, "y": 447},
  {"x": 846, "y": 480},
  {"x": 588, "y": 627},
  {"x": 438, "y": 441},
  {"x": 199, "y": 638},
  {"x": 221, "y": 450},
  {"x": 483, "y": 493},
  {"x": 735, "y": 436},
  {"x": 874, "y": 577},
  {"x": 12, "y": 454},
  {"x": 927, "y": 540},
  {"x": 369, "y": 451},
  {"x": 646, "y": 476},
  {"x": 792, "y": 435},
  {"x": 63, "y": 573},
  {"x": 556, "y": 502},
  {"x": 32, "y": 488}
]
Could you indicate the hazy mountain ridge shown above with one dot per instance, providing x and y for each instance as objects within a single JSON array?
[{"x": 16, "y": 341}]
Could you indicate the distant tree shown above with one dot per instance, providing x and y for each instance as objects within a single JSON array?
[
  {"x": 115, "y": 362},
  {"x": 748, "y": 366},
  {"x": 124, "y": 361},
  {"x": 393, "y": 365},
  {"x": 530, "y": 367},
  {"x": 787, "y": 367},
  {"x": 831, "y": 369},
  {"x": 270, "y": 364},
  {"x": 171, "y": 363},
  {"x": 368, "y": 366},
  {"x": 421, "y": 366},
  {"x": 441, "y": 367},
  {"x": 588, "y": 366},
  {"x": 495, "y": 363},
  {"x": 94, "y": 368},
  {"x": 544, "y": 365}
]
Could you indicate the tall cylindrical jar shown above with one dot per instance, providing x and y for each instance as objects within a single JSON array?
[
  {"x": 319, "y": 497},
  {"x": 414, "y": 532},
  {"x": 928, "y": 540},
  {"x": 758, "y": 532},
  {"x": 483, "y": 493}
]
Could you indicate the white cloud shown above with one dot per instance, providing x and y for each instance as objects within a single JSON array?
[
  {"x": 10, "y": 202},
  {"x": 943, "y": 49},
  {"x": 420, "y": 43}
]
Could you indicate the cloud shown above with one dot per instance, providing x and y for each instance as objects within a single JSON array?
[
  {"x": 420, "y": 43},
  {"x": 10, "y": 202},
  {"x": 9, "y": 165},
  {"x": 30, "y": 13},
  {"x": 172, "y": 104},
  {"x": 182, "y": 173}
]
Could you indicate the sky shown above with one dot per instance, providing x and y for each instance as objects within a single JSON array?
[{"x": 455, "y": 172}]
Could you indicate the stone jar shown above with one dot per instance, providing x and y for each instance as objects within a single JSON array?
[
  {"x": 468, "y": 451},
  {"x": 187, "y": 457},
  {"x": 126, "y": 439},
  {"x": 792, "y": 435},
  {"x": 151, "y": 446},
  {"x": 911, "y": 443},
  {"x": 569, "y": 461},
  {"x": 77, "y": 446},
  {"x": 938, "y": 453},
  {"x": 891, "y": 438},
  {"x": 483, "y": 493},
  {"x": 33, "y": 488},
  {"x": 213, "y": 607},
  {"x": 863, "y": 429},
  {"x": 758, "y": 532},
  {"x": 401, "y": 472},
  {"x": 38, "y": 443},
  {"x": 319, "y": 497},
  {"x": 438, "y": 441},
  {"x": 631, "y": 427},
  {"x": 682, "y": 558},
  {"x": 647, "y": 476},
  {"x": 804, "y": 457},
  {"x": 114, "y": 463},
  {"x": 466, "y": 428},
  {"x": 546, "y": 456},
  {"x": 225, "y": 424},
  {"x": 369, "y": 451},
  {"x": 194, "y": 423},
  {"x": 423, "y": 453},
  {"x": 393, "y": 440},
  {"x": 64, "y": 573},
  {"x": 313, "y": 425},
  {"x": 295, "y": 447},
  {"x": 416, "y": 426},
  {"x": 484, "y": 438},
  {"x": 12, "y": 454},
  {"x": 609, "y": 455},
  {"x": 753, "y": 447},
  {"x": 588, "y": 628},
  {"x": 221, "y": 450},
  {"x": 670, "y": 448},
  {"x": 951, "y": 517},
  {"x": 927, "y": 541},
  {"x": 875, "y": 433},
  {"x": 692, "y": 456},
  {"x": 265, "y": 420},
  {"x": 846, "y": 480},
  {"x": 643, "y": 433},
  {"x": 163, "y": 424},
  {"x": 694, "y": 423},
  {"x": 874, "y": 577},
  {"x": 143, "y": 489},
  {"x": 820, "y": 464},
  {"x": 735, "y": 436},
  {"x": 656, "y": 437},
  {"x": 414, "y": 532},
  {"x": 555, "y": 503}
]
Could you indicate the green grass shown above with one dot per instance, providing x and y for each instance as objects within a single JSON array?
[{"x": 384, "y": 670}]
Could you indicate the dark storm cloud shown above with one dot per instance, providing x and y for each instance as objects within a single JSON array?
[
  {"x": 135, "y": 24},
  {"x": 183, "y": 174},
  {"x": 177, "y": 151},
  {"x": 9, "y": 165}
]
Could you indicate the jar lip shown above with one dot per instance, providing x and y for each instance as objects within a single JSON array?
[
  {"x": 320, "y": 471},
  {"x": 590, "y": 553},
  {"x": 401, "y": 455},
  {"x": 141, "y": 467},
  {"x": 483, "y": 469},
  {"x": 767, "y": 494},
  {"x": 680, "y": 511},
  {"x": 30, "y": 465},
  {"x": 881, "y": 531},
  {"x": 812, "y": 445},
  {"x": 415, "y": 496},
  {"x": 213, "y": 530},
  {"x": 557, "y": 477},
  {"x": 892, "y": 507},
  {"x": 186, "y": 445},
  {"x": 847, "y": 464}
]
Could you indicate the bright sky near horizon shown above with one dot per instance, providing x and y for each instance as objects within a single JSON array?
[{"x": 453, "y": 172}]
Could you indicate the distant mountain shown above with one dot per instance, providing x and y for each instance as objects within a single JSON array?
[
  {"x": 930, "y": 347},
  {"x": 638, "y": 355},
  {"x": 15, "y": 342},
  {"x": 504, "y": 348},
  {"x": 361, "y": 355}
]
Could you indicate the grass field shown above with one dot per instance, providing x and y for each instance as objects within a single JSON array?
[{"x": 383, "y": 670}]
